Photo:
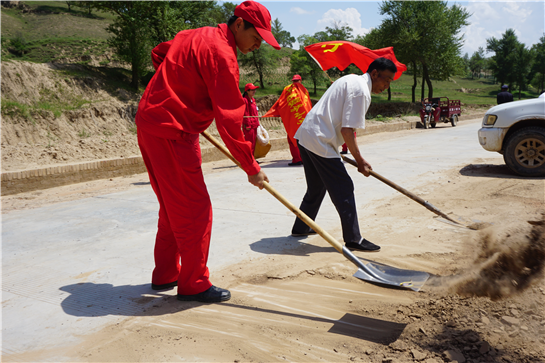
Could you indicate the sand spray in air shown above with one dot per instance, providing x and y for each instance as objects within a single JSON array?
[{"x": 503, "y": 266}]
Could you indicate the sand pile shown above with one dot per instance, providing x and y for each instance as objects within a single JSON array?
[{"x": 505, "y": 264}]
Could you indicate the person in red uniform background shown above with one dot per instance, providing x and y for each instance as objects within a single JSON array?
[
  {"x": 292, "y": 106},
  {"x": 250, "y": 124},
  {"x": 196, "y": 81}
]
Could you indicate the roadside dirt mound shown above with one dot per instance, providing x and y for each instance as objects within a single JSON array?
[
  {"x": 99, "y": 123},
  {"x": 35, "y": 134}
]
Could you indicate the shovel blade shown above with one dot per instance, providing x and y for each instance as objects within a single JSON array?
[{"x": 391, "y": 276}]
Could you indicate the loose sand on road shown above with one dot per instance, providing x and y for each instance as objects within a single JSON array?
[{"x": 305, "y": 306}]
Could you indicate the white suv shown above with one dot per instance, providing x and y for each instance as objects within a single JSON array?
[{"x": 517, "y": 130}]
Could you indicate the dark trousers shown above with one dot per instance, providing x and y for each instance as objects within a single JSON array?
[{"x": 328, "y": 174}]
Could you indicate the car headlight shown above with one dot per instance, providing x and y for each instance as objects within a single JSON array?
[{"x": 490, "y": 119}]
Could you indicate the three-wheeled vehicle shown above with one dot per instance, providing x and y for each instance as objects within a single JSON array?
[{"x": 439, "y": 109}]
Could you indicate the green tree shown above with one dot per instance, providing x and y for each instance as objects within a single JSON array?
[
  {"x": 131, "y": 33},
  {"x": 523, "y": 61},
  {"x": 171, "y": 17},
  {"x": 260, "y": 62},
  {"x": 141, "y": 25},
  {"x": 465, "y": 59},
  {"x": 339, "y": 31},
  {"x": 504, "y": 59},
  {"x": 223, "y": 12},
  {"x": 80, "y": 4},
  {"x": 537, "y": 72},
  {"x": 427, "y": 33},
  {"x": 476, "y": 63},
  {"x": 70, "y": 4},
  {"x": 403, "y": 39},
  {"x": 283, "y": 37}
]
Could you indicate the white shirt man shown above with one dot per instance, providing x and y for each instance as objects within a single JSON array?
[
  {"x": 326, "y": 127},
  {"x": 344, "y": 104}
]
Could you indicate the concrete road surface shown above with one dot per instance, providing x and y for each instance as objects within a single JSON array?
[{"x": 71, "y": 268}]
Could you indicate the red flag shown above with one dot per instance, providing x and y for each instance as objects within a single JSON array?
[
  {"x": 292, "y": 106},
  {"x": 340, "y": 54}
]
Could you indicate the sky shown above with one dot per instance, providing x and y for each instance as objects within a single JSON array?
[{"x": 489, "y": 19}]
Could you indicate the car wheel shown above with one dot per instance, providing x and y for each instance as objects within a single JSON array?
[
  {"x": 525, "y": 151},
  {"x": 454, "y": 120}
]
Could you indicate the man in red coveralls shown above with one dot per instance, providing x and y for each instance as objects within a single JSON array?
[{"x": 196, "y": 81}]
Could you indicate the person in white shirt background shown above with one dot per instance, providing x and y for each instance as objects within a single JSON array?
[{"x": 330, "y": 123}]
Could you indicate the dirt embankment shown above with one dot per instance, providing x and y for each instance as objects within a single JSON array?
[
  {"x": 35, "y": 133},
  {"x": 99, "y": 123}
]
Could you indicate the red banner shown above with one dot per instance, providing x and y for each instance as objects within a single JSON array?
[
  {"x": 292, "y": 106},
  {"x": 340, "y": 54}
]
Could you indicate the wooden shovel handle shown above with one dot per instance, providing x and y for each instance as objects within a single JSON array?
[
  {"x": 302, "y": 216},
  {"x": 414, "y": 197}
]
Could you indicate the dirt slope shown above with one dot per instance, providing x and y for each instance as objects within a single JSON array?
[{"x": 102, "y": 128}]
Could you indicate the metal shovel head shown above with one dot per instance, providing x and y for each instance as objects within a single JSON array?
[{"x": 407, "y": 279}]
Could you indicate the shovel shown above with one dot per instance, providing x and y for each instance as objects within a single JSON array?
[
  {"x": 414, "y": 197},
  {"x": 368, "y": 271}
]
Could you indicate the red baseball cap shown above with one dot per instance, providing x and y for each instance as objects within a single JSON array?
[
  {"x": 260, "y": 18},
  {"x": 296, "y": 78},
  {"x": 250, "y": 86}
]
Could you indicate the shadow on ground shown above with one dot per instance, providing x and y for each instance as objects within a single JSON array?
[
  {"x": 492, "y": 171},
  {"x": 288, "y": 246}
]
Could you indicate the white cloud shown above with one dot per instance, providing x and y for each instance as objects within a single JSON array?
[
  {"x": 475, "y": 36},
  {"x": 519, "y": 13},
  {"x": 300, "y": 11},
  {"x": 350, "y": 17},
  {"x": 482, "y": 11},
  {"x": 492, "y": 19}
]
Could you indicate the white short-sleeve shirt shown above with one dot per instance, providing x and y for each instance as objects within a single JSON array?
[{"x": 344, "y": 104}]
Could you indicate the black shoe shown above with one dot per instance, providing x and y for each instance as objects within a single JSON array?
[
  {"x": 363, "y": 245},
  {"x": 295, "y": 164},
  {"x": 344, "y": 152},
  {"x": 170, "y": 285},
  {"x": 213, "y": 294},
  {"x": 296, "y": 234}
]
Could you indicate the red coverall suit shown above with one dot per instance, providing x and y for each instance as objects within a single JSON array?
[
  {"x": 196, "y": 80},
  {"x": 250, "y": 124}
]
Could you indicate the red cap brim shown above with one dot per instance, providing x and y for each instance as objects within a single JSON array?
[{"x": 268, "y": 37}]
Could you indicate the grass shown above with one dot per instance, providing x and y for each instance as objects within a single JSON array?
[
  {"x": 83, "y": 134},
  {"x": 51, "y": 50},
  {"x": 52, "y": 19},
  {"x": 49, "y": 102},
  {"x": 13, "y": 108},
  {"x": 51, "y": 32}
]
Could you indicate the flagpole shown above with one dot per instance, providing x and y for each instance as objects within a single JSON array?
[{"x": 328, "y": 77}]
